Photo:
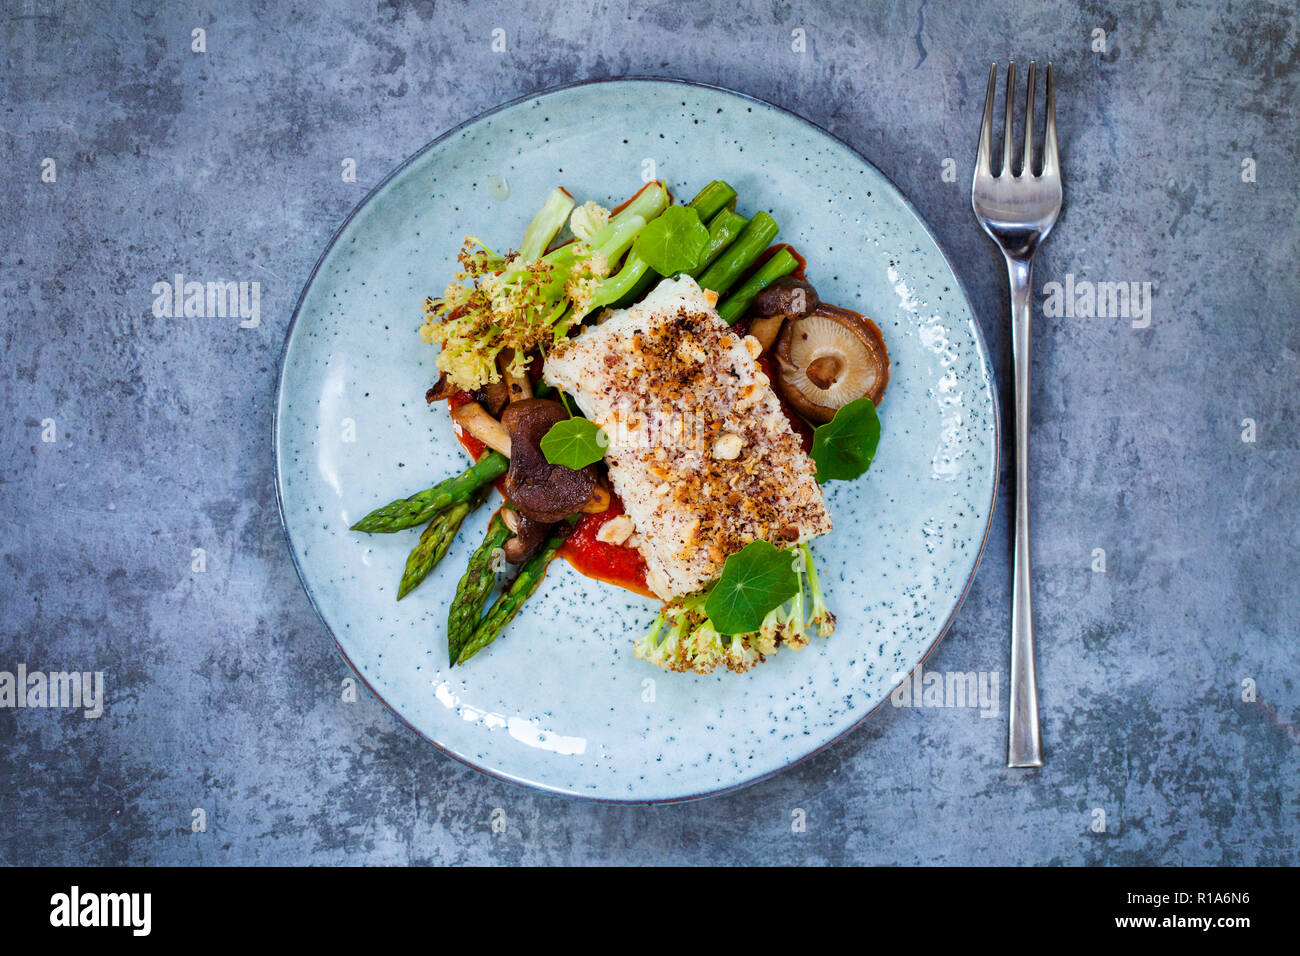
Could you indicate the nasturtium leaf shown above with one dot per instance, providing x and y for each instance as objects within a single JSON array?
[
  {"x": 754, "y": 580},
  {"x": 574, "y": 443},
  {"x": 844, "y": 447},
  {"x": 672, "y": 242}
]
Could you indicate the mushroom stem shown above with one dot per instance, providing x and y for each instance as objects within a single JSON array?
[
  {"x": 518, "y": 387},
  {"x": 474, "y": 418},
  {"x": 598, "y": 502},
  {"x": 511, "y": 518},
  {"x": 825, "y": 371},
  {"x": 766, "y": 328}
]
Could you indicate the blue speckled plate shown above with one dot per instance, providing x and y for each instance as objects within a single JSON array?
[{"x": 559, "y": 702}]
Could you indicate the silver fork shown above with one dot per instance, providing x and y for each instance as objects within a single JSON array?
[{"x": 1019, "y": 212}]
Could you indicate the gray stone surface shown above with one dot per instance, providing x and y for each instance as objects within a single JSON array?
[{"x": 223, "y": 686}]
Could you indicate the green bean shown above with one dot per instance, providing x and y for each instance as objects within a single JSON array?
[
  {"x": 782, "y": 263},
  {"x": 741, "y": 254},
  {"x": 714, "y": 203},
  {"x": 723, "y": 230},
  {"x": 711, "y": 200}
]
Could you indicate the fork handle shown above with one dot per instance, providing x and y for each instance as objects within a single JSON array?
[{"x": 1024, "y": 745}]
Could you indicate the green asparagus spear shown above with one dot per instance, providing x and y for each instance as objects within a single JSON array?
[
  {"x": 474, "y": 587},
  {"x": 505, "y": 607},
  {"x": 782, "y": 263},
  {"x": 713, "y": 198},
  {"x": 740, "y": 255},
  {"x": 723, "y": 230},
  {"x": 419, "y": 508},
  {"x": 435, "y": 541}
]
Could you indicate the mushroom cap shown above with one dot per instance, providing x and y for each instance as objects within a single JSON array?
[
  {"x": 828, "y": 358},
  {"x": 537, "y": 489},
  {"x": 529, "y": 535},
  {"x": 786, "y": 296}
]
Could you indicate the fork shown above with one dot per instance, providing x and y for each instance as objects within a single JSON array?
[{"x": 1018, "y": 212}]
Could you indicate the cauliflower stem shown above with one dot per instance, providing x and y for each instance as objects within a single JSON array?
[
  {"x": 682, "y": 638},
  {"x": 531, "y": 298}
]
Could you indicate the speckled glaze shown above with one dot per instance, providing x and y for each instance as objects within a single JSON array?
[{"x": 559, "y": 702}]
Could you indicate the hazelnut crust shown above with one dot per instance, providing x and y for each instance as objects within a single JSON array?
[{"x": 702, "y": 455}]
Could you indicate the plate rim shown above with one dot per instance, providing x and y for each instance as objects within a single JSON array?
[{"x": 279, "y": 478}]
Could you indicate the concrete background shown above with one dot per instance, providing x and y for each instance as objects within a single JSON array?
[{"x": 223, "y": 686}]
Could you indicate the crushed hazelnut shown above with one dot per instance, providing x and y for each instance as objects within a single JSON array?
[
  {"x": 728, "y": 447},
  {"x": 750, "y": 396},
  {"x": 615, "y": 530}
]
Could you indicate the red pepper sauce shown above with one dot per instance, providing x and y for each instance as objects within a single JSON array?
[
  {"x": 611, "y": 563},
  {"x": 468, "y": 441}
]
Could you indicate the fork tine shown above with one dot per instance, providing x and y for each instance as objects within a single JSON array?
[
  {"x": 1051, "y": 161},
  {"x": 984, "y": 156},
  {"x": 1011, "y": 109},
  {"x": 1027, "y": 166}
]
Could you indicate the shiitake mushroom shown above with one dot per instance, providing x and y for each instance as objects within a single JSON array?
[
  {"x": 828, "y": 358},
  {"x": 784, "y": 299},
  {"x": 528, "y": 535},
  {"x": 534, "y": 487},
  {"x": 787, "y": 296}
]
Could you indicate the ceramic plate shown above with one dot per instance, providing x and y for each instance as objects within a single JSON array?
[{"x": 559, "y": 702}]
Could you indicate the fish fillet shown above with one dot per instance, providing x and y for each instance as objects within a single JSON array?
[{"x": 700, "y": 451}]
